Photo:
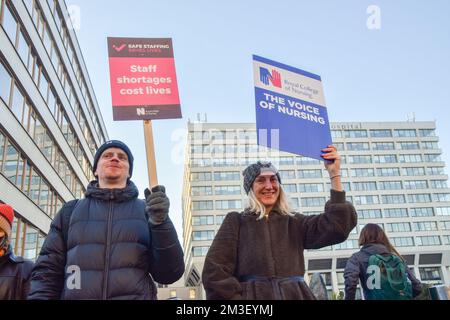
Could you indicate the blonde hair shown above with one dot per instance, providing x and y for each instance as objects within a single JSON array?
[{"x": 282, "y": 205}]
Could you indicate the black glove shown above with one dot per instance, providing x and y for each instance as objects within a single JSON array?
[{"x": 156, "y": 204}]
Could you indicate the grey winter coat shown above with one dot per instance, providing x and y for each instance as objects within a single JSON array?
[
  {"x": 252, "y": 259},
  {"x": 116, "y": 250},
  {"x": 356, "y": 267}
]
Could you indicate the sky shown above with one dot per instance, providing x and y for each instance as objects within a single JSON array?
[{"x": 379, "y": 61}]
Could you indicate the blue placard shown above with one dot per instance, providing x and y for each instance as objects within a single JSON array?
[{"x": 291, "y": 115}]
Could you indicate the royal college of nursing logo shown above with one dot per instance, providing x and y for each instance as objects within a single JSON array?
[{"x": 268, "y": 78}]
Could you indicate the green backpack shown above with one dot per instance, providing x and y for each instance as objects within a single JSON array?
[{"x": 394, "y": 283}]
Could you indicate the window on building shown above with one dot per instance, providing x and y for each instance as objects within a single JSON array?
[
  {"x": 430, "y": 273},
  {"x": 428, "y": 241},
  {"x": 385, "y": 158},
  {"x": 357, "y": 146},
  {"x": 5, "y": 80},
  {"x": 393, "y": 199},
  {"x": 414, "y": 171},
  {"x": 355, "y": 133},
  {"x": 287, "y": 174},
  {"x": 439, "y": 184},
  {"x": 202, "y": 205},
  {"x": 201, "y": 191},
  {"x": 388, "y": 172},
  {"x": 398, "y": 227},
  {"x": 435, "y": 157},
  {"x": 421, "y": 212},
  {"x": 390, "y": 185},
  {"x": 286, "y": 161},
  {"x": 362, "y": 172},
  {"x": 368, "y": 199},
  {"x": 405, "y": 133},
  {"x": 383, "y": 146},
  {"x": 228, "y": 204},
  {"x": 219, "y": 218},
  {"x": 227, "y": 190},
  {"x": 425, "y": 226},
  {"x": 365, "y": 186},
  {"x": 409, "y": 158},
  {"x": 369, "y": 214},
  {"x": 443, "y": 211},
  {"x": 415, "y": 184},
  {"x": 200, "y": 251},
  {"x": 419, "y": 198},
  {"x": 203, "y": 235},
  {"x": 202, "y": 220},
  {"x": 313, "y": 202},
  {"x": 311, "y": 187},
  {"x": 441, "y": 197},
  {"x": 435, "y": 171},
  {"x": 227, "y": 176},
  {"x": 290, "y": 187},
  {"x": 359, "y": 159},
  {"x": 427, "y": 133},
  {"x": 201, "y": 176},
  {"x": 309, "y": 174},
  {"x": 402, "y": 241},
  {"x": 430, "y": 145},
  {"x": 348, "y": 244},
  {"x": 408, "y": 145}
]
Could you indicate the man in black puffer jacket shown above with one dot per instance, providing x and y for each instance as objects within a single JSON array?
[{"x": 116, "y": 244}]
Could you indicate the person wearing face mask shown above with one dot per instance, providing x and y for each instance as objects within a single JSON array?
[
  {"x": 258, "y": 254},
  {"x": 14, "y": 271}
]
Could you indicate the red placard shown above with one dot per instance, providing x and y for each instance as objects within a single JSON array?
[{"x": 143, "y": 79}]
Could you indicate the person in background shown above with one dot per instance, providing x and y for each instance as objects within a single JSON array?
[
  {"x": 14, "y": 271},
  {"x": 258, "y": 254}
]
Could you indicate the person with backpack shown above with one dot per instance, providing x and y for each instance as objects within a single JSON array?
[
  {"x": 383, "y": 272},
  {"x": 257, "y": 254},
  {"x": 109, "y": 245},
  {"x": 14, "y": 271}
]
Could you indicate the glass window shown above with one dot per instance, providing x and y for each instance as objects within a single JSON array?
[
  {"x": 421, "y": 212},
  {"x": 407, "y": 158},
  {"x": 383, "y": 146},
  {"x": 307, "y": 174},
  {"x": 414, "y": 171},
  {"x": 439, "y": 184},
  {"x": 202, "y": 220},
  {"x": 201, "y": 176},
  {"x": 357, "y": 146},
  {"x": 393, "y": 198},
  {"x": 355, "y": 133},
  {"x": 370, "y": 199},
  {"x": 388, "y": 172},
  {"x": 396, "y": 213},
  {"x": 441, "y": 197},
  {"x": 200, "y": 251},
  {"x": 201, "y": 191},
  {"x": 287, "y": 174},
  {"x": 313, "y": 202},
  {"x": 30, "y": 246},
  {"x": 11, "y": 163},
  {"x": 425, "y": 226},
  {"x": 5, "y": 80},
  {"x": 385, "y": 158},
  {"x": 227, "y": 176},
  {"x": 17, "y": 103},
  {"x": 435, "y": 171},
  {"x": 419, "y": 198},
  {"x": 428, "y": 241},
  {"x": 398, "y": 227},
  {"x": 408, "y": 145},
  {"x": 311, "y": 187},
  {"x": 23, "y": 48},
  {"x": 364, "y": 186},
  {"x": 427, "y": 133},
  {"x": 202, "y": 205},
  {"x": 402, "y": 241},
  {"x": 9, "y": 24},
  {"x": 404, "y": 133},
  {"x": 359, "y": 159},
  {"x": 348, "y": 244},
  {"x": 445, "y": 225},
  {"x": 443, "y": 211},
  {"x": 286, "y": 160},
  {"x": 415, "y": 184},
  {"x": 380, "y": 133},
  {"x": 432, "y": 158},
  {"x": 390, "y": 185},
  {"x": 290, "y": 187},
  {"x": 219, "y": 218},
  {"x": 362, "y": 172},
  {"x": 228, "y": 204},
  {"x": 430, "y": 145},
  {"x": 227, "y": 190},
  {"x": 203, "y": 235},
  {"x": 430, "y": 273}
]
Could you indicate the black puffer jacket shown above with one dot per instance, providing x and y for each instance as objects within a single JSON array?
[
  {"x": 14, "y": 277},
  {"x": 116, "y": 249}
]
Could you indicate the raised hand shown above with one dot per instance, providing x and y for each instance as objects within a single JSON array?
[{"x": 276, "y": 79}]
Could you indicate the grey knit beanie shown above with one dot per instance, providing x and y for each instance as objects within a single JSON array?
[{"x": 252, "y": 171}]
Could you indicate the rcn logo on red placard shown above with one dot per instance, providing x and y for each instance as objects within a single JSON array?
[
  {"x": 266, "y": 77},
  {"x": 119, "y": 48}
]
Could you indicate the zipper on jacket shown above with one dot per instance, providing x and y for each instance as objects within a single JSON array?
[{"x": 107, "y": 253}]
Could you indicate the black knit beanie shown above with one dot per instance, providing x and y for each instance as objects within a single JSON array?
[{"x": 114, "y": 144}]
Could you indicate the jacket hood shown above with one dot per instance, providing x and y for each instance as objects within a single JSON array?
[
  {"x": 117, "y": 195},
  {"x": 375, "y": 248}
]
